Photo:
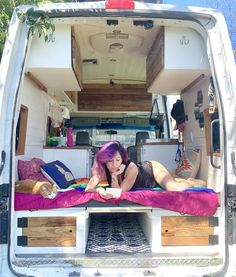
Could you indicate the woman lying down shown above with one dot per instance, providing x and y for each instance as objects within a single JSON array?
[{"x": 112, "y": 164}]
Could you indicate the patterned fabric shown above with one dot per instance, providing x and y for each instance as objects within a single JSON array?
[
  {"x": 82, "y": 183},
  {"x": 190, "y": 164},
  {"x": 58, "y": 173},
  {"x": 38, "y": 162},
  {"x": 31, "y": 170},
  {"x": 198, "y": 202},
  {"x": 116, "y": 233}
]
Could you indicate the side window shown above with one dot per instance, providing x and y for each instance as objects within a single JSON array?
[
  {"x": 208, "y": 118},
  {"x": 21, "y": 130}
]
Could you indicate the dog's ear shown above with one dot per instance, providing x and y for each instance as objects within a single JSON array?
[{"x": 48, "y": 190}]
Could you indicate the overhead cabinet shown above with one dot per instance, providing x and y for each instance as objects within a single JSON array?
[
  {"x": 56, "y": 63},
  {"x": 176, "y": 59}
]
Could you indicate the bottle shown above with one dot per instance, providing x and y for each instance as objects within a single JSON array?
[
  {"x": 60, "y": 140},
  {"x": 69, "y": 137}
]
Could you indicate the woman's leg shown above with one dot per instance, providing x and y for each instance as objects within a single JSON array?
[{"x": 164, "y": 179}]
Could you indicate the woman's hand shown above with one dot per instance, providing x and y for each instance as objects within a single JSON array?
[
  {"x": 102, "y": 192},
  {"x": 119, "y": 171},
  {"x": 115, "y": 176}
]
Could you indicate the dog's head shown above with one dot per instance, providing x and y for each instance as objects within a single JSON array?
[{"x": 48, "y": 190}]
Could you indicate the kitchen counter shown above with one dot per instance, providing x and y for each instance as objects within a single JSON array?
[
  {"x": 158, "y": 142},
  {"x": 68, "y": 148}
]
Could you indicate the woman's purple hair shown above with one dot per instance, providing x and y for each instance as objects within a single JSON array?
[{"x": 106, "y": 153}]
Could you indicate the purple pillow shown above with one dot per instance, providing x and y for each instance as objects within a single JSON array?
[
  {"x": 38, "y": 162},
  {"x": 31, "y": 170}
]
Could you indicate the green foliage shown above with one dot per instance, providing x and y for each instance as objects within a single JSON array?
[
  {"x": 37, "y": 22},
  {"x": 5, "y": 14},
  {"x": 6, "y": 9}
]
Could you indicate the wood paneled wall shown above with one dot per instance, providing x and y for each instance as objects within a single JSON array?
[
  {"x": 155, "y": 58},
  {"x": 98, "y": 97}
]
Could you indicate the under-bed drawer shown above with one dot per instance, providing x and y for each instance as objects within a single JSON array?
[
  {"x": 51, "y": 231},
  {"x": 47, "y": 231},
  {"x": 188, "y": 231}
]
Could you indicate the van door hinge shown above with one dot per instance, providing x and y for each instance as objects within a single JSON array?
[
  {"x": 231, "y": 204},
  {"x": 4, "y": 194}
]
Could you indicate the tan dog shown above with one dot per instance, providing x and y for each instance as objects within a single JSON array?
[{"x": 46, "y": 189}]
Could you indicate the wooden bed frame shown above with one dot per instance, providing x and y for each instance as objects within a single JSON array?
[{"x": 65, "y": 231}]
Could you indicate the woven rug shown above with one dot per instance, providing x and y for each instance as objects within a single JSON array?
[{"x": 116, "y": 233}]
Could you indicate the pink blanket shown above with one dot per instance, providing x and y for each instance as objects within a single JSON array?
[{"x": 198, "y": 203}]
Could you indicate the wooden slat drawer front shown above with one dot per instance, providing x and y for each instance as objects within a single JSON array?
[
  {"x": 51, "y": 221},
  {"x": 51, "y": 242},
  {"x": 187, "y": 231},
  {"x": 47, "y": 231},
  {"x": 155, "y": 59}
]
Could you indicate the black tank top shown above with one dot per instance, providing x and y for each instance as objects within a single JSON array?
[{"x": 144, "y": 179}]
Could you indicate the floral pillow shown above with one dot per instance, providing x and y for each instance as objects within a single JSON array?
[
  {"x": 38, "y": 162},
  {"x": 189, "y": 164},
  {"x": 31, "y": 170}
]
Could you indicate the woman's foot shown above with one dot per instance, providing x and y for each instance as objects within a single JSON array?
[{"x": 197, "y": 182}]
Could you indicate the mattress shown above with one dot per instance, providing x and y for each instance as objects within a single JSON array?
[{"x": 197, "y": 201}]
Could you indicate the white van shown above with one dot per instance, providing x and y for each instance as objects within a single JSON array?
[{"x": 106, "y": 66}]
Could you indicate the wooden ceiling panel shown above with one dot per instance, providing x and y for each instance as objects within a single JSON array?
[{"x": 115, "y": 98}]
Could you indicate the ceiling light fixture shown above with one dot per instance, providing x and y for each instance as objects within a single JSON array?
[{"x": 116, "y": 47}]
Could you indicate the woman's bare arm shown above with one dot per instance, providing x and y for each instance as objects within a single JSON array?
[
  {"x": 93, "y": 182},
  {"x": 130, "y": 177},
  {"x": 92, "y": 187}
]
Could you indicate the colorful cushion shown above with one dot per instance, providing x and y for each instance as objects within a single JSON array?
[
  {"x": 82, "y": 183},
  {"x": 58, "y": 174},
  {"x": 30, "y": 170},
  {"x": 85, "y": 180},
  {"x": 189, "y": 164}
]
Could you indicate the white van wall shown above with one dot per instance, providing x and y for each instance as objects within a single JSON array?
[
  {"x": 37, "y": 103},
  {"x": 194, "y": 136}
]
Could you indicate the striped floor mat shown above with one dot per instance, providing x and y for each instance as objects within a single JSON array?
[{"x": 116, "y": 233}]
